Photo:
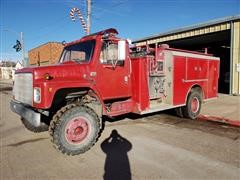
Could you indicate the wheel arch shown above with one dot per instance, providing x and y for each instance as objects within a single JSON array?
[
  {"x": 195, "y": 87},
  {"x": 193, "y": 102},
  {"x": 60, "y": 95},
  {"x": 65, "y": 96}
]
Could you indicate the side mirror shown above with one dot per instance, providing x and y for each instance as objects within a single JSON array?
[{"x": 121, "y": 50}]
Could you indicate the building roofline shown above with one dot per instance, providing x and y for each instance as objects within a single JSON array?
[
  {"x": 191, "y": 27},
  {"x": 45, "y": 44}
]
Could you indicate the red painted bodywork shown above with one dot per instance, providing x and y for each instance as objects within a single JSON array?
[
  {"x": 194, "y": 71},
  {"x": 127, "y": 87},
  {"x": 140, "y": 83}
]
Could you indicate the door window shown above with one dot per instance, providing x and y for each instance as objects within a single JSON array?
[{"x": 109, "y": 54}]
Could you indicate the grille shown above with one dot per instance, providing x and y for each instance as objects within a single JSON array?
[{"x": 23, "y": 88}]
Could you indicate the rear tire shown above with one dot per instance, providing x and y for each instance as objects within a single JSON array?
[
  {"x": 42, "y": 128},
  {"x": 193, "y": 105},
  {"x": 74, "y": 129},
  {"x": 179, "y": 112}
]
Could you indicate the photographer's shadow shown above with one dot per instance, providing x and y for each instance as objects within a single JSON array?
[{"x": 117, "y": 163}]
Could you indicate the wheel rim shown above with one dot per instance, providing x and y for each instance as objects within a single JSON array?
[
  {"x": 195, "y": 105},
  {"x": 76, "y": 130}
]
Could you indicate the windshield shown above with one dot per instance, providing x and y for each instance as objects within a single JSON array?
[{"x": 81, "y": 52}]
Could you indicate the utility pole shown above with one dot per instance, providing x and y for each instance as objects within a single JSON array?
[
  {"x": 88, "y": 16},
  {"x": 24, "y": 63}
]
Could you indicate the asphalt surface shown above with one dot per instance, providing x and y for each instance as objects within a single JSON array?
[{"x": 157, "y": 146}]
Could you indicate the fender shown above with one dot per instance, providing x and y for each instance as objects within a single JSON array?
[
  {"x": 191, "y": 87},
  {"x": 50, "y": 89}
]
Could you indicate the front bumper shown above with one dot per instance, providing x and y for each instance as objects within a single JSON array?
[{"x": 33, "y": 117}]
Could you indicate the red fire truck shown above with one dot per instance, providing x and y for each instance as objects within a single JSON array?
[{"x": 99, "y": 75}]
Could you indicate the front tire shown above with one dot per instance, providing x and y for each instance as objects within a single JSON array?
[
  {"x": 193, "y": 106},
  {"x": 74, "y": 129}
]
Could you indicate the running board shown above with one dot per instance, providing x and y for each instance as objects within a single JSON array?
[{"x": 161, "y": 107}]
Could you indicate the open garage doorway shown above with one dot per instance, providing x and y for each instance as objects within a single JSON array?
[{"x": 218, "y": 44}]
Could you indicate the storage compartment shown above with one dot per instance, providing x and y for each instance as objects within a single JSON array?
[{"x": 140, "y": 75}]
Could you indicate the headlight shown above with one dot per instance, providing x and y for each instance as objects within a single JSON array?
[{"x": 37, "y": 95}]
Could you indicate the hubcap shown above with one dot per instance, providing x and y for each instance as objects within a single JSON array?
[
  {"x": 76, "y": 130},
  {"x": 195, "y": 105}
]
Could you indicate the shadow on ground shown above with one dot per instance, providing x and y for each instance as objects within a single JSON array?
[
  {"x": 26, "y": 142},
  {"x": 117, "y": 164},
  {"x": 170, "y": 118},
  {"x": 8, "y": 132}
]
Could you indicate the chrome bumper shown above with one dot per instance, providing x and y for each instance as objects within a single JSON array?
[{"x": 34, "y": 118}]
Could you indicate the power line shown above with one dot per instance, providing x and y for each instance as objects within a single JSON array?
[
  {"x": 50, "y": 24},
  {"x": 108, "y": 10},
  {"x": 47, "y": 34}
]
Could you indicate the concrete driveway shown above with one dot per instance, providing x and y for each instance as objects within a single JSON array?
[{"x": 149, "y": 147}]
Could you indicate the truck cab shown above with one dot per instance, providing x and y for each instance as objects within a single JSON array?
[{"x": 92, "y": 73}]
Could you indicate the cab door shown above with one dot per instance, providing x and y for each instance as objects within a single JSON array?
[{"x": 113, "y": 79}]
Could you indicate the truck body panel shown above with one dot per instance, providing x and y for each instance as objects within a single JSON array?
[
  {"x": 158, "y": 81},
  {"x": 180, "y": 72}
]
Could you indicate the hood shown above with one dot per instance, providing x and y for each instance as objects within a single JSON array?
[{"x": 68, "y": 71}]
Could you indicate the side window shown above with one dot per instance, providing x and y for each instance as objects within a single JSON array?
[
  {"x": 78, "y": 56},
  {"x": 109, "y": 54}
]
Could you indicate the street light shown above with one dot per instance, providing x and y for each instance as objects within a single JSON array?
[{"x": 22, "y": 44}]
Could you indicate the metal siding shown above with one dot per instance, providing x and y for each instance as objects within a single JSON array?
[
  {"x": 225, "y": 20},
  {"x": 186, "y": 34},
  {"x": 207, "y": 30},
  {"x": 236, "y": 58},
  {"x": 228, "y": 26}
]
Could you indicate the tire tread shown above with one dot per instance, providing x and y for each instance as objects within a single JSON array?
[{"x": 56, "y": 122}]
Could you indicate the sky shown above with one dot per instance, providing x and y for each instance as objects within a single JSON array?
[{"x": 43, "y": 21}]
